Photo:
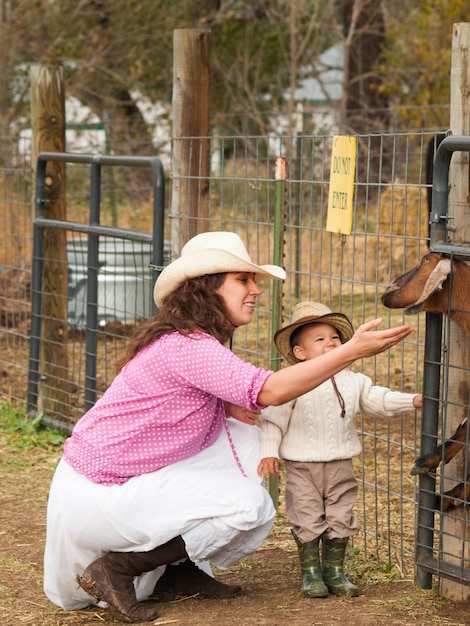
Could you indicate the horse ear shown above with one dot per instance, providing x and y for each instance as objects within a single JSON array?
[{"x": 435, "y": 280}]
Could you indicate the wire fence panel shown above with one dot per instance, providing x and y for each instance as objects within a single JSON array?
[
  {"x": 390, "y": 233},
  {"x": 109, "y": 273},
  {"x": 15, "y": 268},
  {"x": 347, "y": 273}
]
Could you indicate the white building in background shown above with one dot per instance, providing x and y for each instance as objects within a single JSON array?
[
  {"x": 317, "y": 98},
  {"x": 321, "y": 94},
  {"x": 327, "y": 87}
]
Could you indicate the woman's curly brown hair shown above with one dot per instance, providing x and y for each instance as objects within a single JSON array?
[{"x": 192, "y": 306}]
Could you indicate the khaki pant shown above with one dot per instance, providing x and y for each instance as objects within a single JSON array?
[{"x": 320, "y": 498}]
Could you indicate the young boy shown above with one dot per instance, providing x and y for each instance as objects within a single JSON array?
[{"x": 316, "y": 436}]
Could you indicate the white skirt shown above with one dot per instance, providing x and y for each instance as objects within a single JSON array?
[{"x": 221, "y": 515}]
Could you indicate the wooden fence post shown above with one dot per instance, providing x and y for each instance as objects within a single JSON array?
[
  {"x": 191, "y": 143},
  {"x": 48, "y": 135},
  {"x": 455, "y": 528}
]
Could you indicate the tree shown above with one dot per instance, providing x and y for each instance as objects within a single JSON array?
[
  {"x": 116, "y": 48},
  {"x": 365, "y": 103},
  {"x": 116, "y": 51},
  {"x": 416, "y": 60}
]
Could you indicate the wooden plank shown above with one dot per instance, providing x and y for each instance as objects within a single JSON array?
[
  {"x": 454, "y": 527},
  {"x": 191, "y": 135}
]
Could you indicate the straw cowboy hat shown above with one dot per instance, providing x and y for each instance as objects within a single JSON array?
[
  {"x": 210, "y": 253},
  {"x": 306, "y": 313}
]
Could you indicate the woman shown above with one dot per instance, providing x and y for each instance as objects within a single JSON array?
[{"x": 154, "y": 474}]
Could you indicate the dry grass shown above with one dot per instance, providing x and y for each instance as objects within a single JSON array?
[{"x": 270, "y": 577}]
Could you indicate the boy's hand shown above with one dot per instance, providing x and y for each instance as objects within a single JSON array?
[
  {"x": 268, "y": 467},
  {"x": 418, "y": 401}
]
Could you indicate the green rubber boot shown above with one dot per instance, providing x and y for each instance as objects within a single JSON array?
[
  {"x": 334, "y": 551},
  {"x": 312, "y": 579}
]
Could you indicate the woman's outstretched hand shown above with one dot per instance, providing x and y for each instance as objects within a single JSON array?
[{"x": 367, "y": 341}]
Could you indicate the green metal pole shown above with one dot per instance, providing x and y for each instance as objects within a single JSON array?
[{"x": 280, "y": 177}]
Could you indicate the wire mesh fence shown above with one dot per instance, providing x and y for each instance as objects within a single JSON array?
[
  {"x": 347, "y": 273},
  {"x": 15, "y": 267}
]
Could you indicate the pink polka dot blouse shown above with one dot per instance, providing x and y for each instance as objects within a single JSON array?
[{"x": 165, "y": 405}]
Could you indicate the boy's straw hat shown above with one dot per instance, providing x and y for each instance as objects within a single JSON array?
[
  {"x": 210, "y": 253},
  {"x": 306, "y": 313}
]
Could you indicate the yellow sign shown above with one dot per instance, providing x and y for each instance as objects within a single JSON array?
[{"x": 340, "y": 197}]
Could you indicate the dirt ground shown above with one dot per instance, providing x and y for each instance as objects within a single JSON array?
[{"x": 270, "y": 577}]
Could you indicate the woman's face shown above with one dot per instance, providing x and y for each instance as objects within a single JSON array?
[{"x": 239, "y": 291}]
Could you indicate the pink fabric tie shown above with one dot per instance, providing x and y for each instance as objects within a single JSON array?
[{"x": 234, "y": 452}]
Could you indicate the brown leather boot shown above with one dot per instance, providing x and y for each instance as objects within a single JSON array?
[
  {"x": 187, "y": 579},
  {"x": 111, "y": 578}
]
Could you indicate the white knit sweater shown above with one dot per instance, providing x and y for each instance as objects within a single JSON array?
[{"x": 311, "y": 428}]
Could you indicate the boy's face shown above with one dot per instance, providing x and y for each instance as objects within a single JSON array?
[{"x": 316, "y": 339}]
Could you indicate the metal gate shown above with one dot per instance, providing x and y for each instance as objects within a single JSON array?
[
  {"x": 429, "y": 559},
  {"x": 91, "y": 257}
]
